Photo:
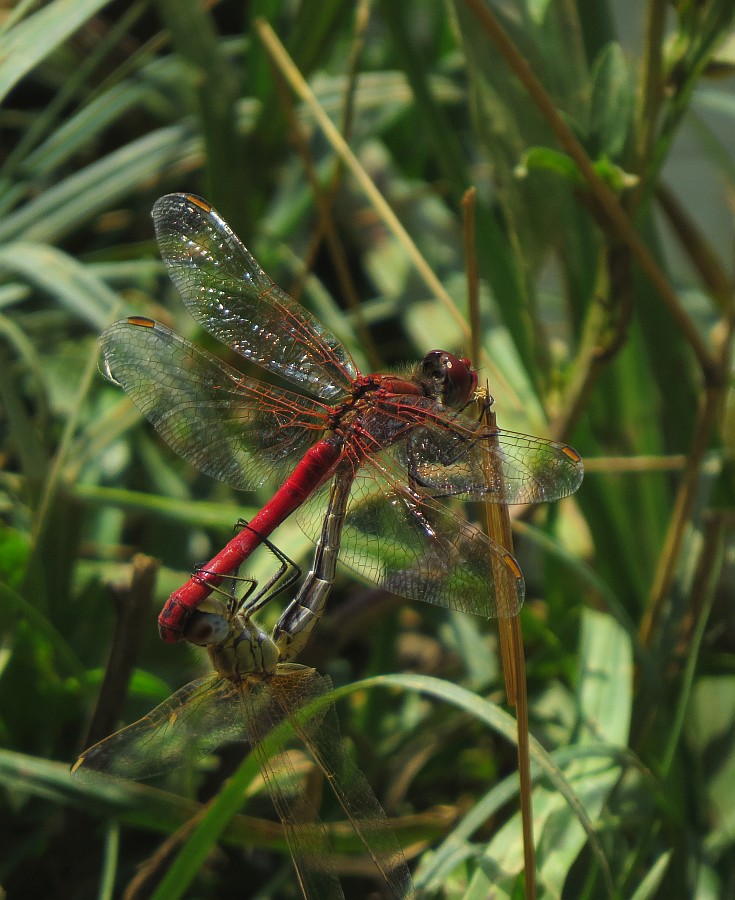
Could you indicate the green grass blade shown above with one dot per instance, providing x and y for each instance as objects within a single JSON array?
[
  {"x": 30, "y": 41},
  {"x": 73, "y": 285},
  {"x": 96, "y": 188}
]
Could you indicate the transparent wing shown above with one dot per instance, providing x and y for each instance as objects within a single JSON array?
[
  {"x": 234, "y": 428},
  {"x": 194, "y": 721},
  {"x": 321, "y": 735},
  {"x": 412, "y": 545},
  {"x": 307, "y": 838},
  {"x": 452, "y": 455},
  {"x": 198, "y": 719},
  {"x": 226, "y": 291}
]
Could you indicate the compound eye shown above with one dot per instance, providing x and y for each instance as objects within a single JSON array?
[
  {"x": 461, "y": 381},
  {"x": 455, "y": 377},
  {"x": 206, "y": 629}
]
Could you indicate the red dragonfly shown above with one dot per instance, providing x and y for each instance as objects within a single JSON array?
[
  {"x": 255, "y": 689},
  {"x": 395, "y": 443}
]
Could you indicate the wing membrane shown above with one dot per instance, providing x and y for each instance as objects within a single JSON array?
[
  {"x": 229, "y": 294},
  {"x": 194, "y": 721},
  {"x": 237, "y": 429},
  {"x": 415, "y": 547},
  {"x": 454, "y": 456},
  {"x": 321, "y": 735},
  {"x": 212, "y": 711},
  {"x": 307, "y": 837},
  {"x": 198, "y": 719}
]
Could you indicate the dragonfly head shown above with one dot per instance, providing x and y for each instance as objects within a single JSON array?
[
  {"x": 209, "y": 624},
  {"x": 449, "y": 378},
  {"x": 236, "y": 645}
]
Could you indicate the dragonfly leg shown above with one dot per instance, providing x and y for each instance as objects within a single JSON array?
[
  {"x": 484, "y": 400},
  {"x": 254, "y": 597},
  {"x": 232, "y": 602},
  {"x": 287, "y": 574}
]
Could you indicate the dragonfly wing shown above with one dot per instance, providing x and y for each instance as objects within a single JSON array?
[
  {"x": 263, "y": 707},
  {"x": 236, "y": 429},
  {"x": 194, "y": 721},
  {"x": 411, "y": 545},
  {"x": 536, "y": 470},
  {"x": 453, "y": 455},
  {"x": 321, "y": 735},
  {"x": 229, "y": 294}
]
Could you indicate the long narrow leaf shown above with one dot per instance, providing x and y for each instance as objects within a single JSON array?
[{"x": 23, "y": 47}]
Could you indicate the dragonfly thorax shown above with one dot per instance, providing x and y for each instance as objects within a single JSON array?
[{"x": 247, "y": 651}]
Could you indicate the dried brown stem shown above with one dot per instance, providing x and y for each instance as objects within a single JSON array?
[
  {"x": 702, "y": 585},
  {"x": 652, "y": 91},
  {"x": 707, "y": 417},
  {"x": 697, "y": 248},
  {"x": 154, "y": 868},
  {"x": 133, "y": 603},
  {"x": 324, "y": 198},
  {"x": 666, "y": 570},
  {"x": 514, "y": 670}
]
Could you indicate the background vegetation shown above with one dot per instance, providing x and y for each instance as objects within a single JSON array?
[{"x": 603, "y": 230}]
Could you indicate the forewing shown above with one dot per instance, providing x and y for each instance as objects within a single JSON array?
[
  {"x": 210, "y": 712},
  {"x": 226, "y": 291},
  {"x": 194, "y": 721},
  {"x": 321, "y": 735},
  {"x": 234, "y": 428}
]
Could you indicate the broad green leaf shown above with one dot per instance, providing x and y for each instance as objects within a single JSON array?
[
  {"x": 96, "y": 188},
  {"x": 649, "y": 886},
  {"x": 605, "y": 700}
]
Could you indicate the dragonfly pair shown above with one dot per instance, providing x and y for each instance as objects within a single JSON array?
[{"x": 364, "y": 461}]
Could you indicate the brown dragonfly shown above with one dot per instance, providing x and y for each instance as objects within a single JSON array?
[{"x": 257, "y": 687}]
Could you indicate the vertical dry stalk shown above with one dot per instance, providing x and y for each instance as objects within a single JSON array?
[
  {"x": 498, "y": 528},
  {"x": 511, "y": 646}
]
